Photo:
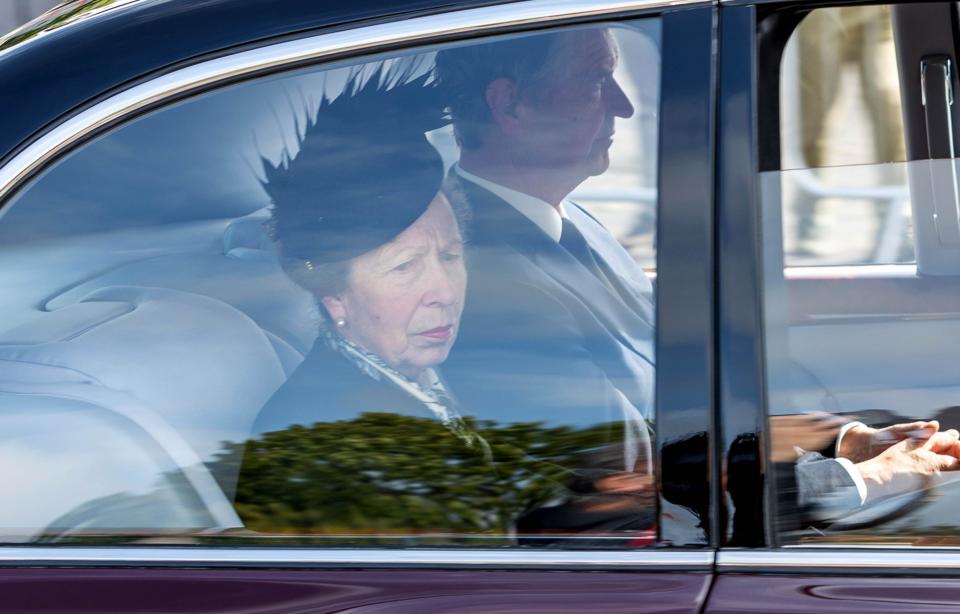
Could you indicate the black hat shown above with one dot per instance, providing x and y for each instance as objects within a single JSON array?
[{"x": 364, "y": 171}]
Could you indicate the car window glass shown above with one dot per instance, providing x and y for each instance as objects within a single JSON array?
[
  {"x": 309, "y": 309},
  {"x": 844, "y": 185},
  {"x": 860, "y": 287}
]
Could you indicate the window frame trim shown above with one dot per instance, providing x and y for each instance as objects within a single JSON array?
[
  {"x": 306, "y": 556},
  {"x": 849, "y": 560}
]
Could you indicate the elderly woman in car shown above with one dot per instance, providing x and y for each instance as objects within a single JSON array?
[{"x": 359, "y": 220}]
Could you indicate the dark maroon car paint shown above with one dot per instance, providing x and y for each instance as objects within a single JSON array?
[
  {"x": 742, "y": 594},
  {"x": 356, "y": 591}
]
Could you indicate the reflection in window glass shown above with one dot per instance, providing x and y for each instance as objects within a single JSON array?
[
  {"x": 840, "y": 108},
  {"x": 396, "y": 300},
  {"x": 861, "y": 383},
  {"x": 859, "y": 362}
]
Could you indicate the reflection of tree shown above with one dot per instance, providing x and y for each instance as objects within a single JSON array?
[
  {"x": 64, "y": 15},
  {"x": 383, "y": 472}
]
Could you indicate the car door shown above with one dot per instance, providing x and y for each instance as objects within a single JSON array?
[
  {"x": 838, "y": 304},
  {"x": 149, "y": 314}
]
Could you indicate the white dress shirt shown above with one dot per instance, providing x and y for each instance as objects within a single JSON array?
[{"x": 540, "y": 212}]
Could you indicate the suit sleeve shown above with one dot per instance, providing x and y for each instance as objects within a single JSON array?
[{"x": 815, "y": 491}]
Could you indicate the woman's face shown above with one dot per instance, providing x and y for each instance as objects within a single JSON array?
[{"x": 403, "y": 300}]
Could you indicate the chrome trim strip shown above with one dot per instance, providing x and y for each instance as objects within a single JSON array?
[
  {"x": 291, "y": 52},
  {"x": 805, "y": 559},
  {"x": 690, "y": 560}
]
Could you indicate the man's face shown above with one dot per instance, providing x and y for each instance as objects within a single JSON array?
[{"x": 566, "y": 121}]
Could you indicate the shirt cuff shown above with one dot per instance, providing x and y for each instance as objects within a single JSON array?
[
  {"x": 851, "y": 470},
  {"x": 843, "y": 431}
]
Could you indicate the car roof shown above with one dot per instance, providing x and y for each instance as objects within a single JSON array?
[{"x": 82, "y": 50}]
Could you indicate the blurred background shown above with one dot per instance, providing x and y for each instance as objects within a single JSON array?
[{"x": 843, "y": 176}]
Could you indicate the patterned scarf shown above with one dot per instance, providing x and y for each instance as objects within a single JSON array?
[{"x": 431, "y": 392}]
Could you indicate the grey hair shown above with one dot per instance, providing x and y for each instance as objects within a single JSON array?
[{"x": 463, "y": 74}]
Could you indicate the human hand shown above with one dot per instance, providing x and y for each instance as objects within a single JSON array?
[
  {"x": 908, "y": 465},
  {"x": 861, "y": 442},
  {"x": 812, "y": 431}
]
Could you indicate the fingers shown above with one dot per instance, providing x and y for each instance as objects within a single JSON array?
[
  {"x": 920, "y": 461},
  {"x": 949, "y": 463},
  {"x": 911, "y": 426},
  {"x": 924, "y": 463},
  {"x": 953, "y": 450},
  {"x": 948, "y": 445},
  {"x": 916, "y": 430},
  {"x": 942, "y": 442}
]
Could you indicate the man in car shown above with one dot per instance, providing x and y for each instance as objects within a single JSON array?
[{"x": 558, "y": 320}]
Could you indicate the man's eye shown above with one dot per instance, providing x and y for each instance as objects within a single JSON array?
[
  {"x": 451, "y": 256},
  {"x": 403, "y": 266}
]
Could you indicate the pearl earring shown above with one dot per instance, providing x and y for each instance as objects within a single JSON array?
[{"x": 340, "y": 323}]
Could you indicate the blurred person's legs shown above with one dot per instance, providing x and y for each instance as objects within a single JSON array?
[
  {"x": 880, "y": 86},
  {"x": 820, "y": 44},
  {"x": 830, "y": 41},
  {"x": 879, "y": 82}
]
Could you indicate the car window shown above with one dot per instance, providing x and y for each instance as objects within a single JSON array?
[
  {"x": 397, "y": 300},
  {"x": 845, "y": 199},
  {"x": 860, "y": 279}
]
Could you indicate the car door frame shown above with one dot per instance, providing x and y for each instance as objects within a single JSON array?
[
  {"x": 755, "y": 573},
  {"x": 685, "y": 331}
]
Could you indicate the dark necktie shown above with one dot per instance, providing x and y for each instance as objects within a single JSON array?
[{"x": 574, "y": 242}]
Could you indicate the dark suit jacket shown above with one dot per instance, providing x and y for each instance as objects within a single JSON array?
[
  {"x": 327, "y": 387},
  {"x": 541, "y": 338}
]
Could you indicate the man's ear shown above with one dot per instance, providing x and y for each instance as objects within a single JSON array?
[
  {"x": 335, "y": 307},
  {"x": 502, "y": 96}
]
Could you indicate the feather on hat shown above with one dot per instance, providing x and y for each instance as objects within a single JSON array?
[{"x": 364, "y": 171}]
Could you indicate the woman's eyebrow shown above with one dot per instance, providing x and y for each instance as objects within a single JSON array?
[{"x": 397, "y": 253}]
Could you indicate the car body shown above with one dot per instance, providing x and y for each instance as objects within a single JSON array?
[{"x": 89, "y": 69}]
